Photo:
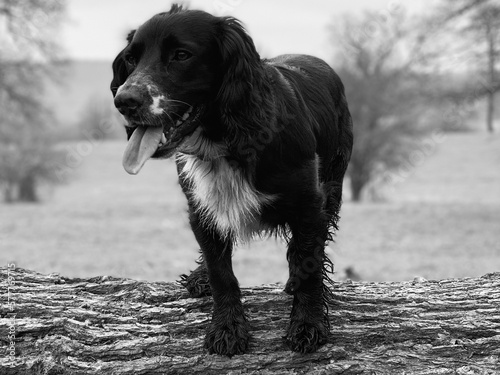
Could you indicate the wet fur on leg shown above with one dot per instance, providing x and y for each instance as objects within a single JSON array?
[
  {"x": 310, "y": 279},
  {"x": 308, "y": 330},
  {"x": 228, "y": 333}
]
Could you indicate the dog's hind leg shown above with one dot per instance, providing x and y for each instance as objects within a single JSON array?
[{"x": 197, "y": 282}]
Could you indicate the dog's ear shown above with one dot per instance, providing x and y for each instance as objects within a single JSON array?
[
  {"x": 239, "y": 63},
  {"x": 120, "y": 72}
]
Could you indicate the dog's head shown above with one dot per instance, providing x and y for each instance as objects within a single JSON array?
[{"x": 179, "y": 69}]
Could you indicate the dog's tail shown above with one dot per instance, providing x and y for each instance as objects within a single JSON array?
[{"x": 335, "y": 170}]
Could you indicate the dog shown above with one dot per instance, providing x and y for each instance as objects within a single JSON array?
[{"x": 261, "y": 147}]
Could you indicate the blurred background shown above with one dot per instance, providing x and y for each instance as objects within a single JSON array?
[{"x": 422, "y": 197}]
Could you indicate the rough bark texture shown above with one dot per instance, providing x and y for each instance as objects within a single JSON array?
[{"x": 106, "y": 325}]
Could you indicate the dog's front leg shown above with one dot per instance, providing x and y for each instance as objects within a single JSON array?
[{"x": 228, "y": 332}]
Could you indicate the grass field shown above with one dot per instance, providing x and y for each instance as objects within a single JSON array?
[{"x": 441, "y": 220}]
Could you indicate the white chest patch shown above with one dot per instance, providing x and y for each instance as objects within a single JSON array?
[{"x": 224, "y": 197}]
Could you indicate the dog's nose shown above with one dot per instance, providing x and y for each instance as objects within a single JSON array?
[{"x": 127, "y": 102}]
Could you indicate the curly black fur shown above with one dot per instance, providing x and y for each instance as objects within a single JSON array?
[{"x": 272, "y": 142}]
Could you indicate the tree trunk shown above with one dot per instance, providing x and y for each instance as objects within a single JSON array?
[
  {"x": 357, "y": 186},
  {"x": 490, "y": 112},
  {"x": 27, "y": 189},
  {"x": 491, "y": 40},
  {"x": 9, "y": 192},
  {"x": 107, "y": 325}
]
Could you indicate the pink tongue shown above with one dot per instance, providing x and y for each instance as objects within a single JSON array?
[{"x": 141, "y": 146}]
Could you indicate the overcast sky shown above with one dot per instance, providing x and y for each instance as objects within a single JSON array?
[{"x": 96, "y": 29}]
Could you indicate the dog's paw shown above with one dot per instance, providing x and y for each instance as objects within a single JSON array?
[
  {"x": 228, "y": 339},
  {"x": 197, "y": 283},
  {"x": 304, "y": 337}
]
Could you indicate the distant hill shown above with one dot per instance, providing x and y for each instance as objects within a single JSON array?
[
  {"x": 78, "y": 83},
  {"x": 81, "y": 80}
]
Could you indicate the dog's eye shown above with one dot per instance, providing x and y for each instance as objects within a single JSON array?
[
  {"x": 182, "y": 55},
  {"x": 129, "y": 59}
]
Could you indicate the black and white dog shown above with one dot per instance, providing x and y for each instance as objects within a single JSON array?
[{"x": 260, "y": 145}]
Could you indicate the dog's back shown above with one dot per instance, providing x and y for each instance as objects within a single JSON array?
[
  {"x": 320, "y": 93},
  {"x": 319, "y": 88}
]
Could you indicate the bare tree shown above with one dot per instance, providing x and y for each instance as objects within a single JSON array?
[
  {"x": 380, "y": 59},
  {"x": 477, "y": 22},
  {"x": 27, "y": 132}
]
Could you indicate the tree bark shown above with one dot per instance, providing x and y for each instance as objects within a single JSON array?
[{"x": 107, "y": 325}]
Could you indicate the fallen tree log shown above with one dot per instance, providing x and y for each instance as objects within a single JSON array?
[{"x": 107, "y": 325}]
